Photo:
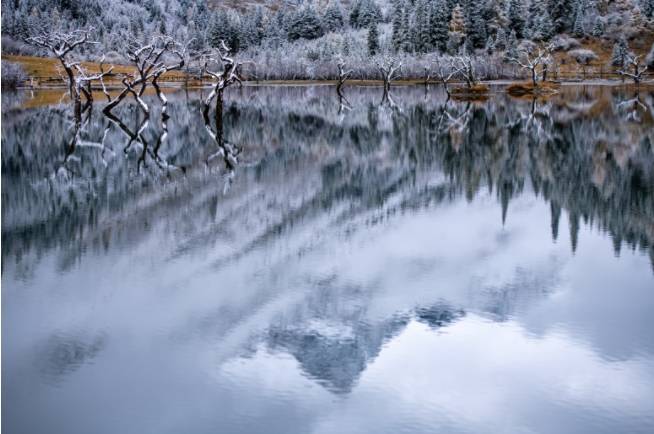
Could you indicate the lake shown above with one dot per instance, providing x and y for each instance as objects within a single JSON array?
[{"x": 310, "y": 265}]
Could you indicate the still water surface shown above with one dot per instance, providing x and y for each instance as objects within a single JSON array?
[{"x": 428, "y": 266}]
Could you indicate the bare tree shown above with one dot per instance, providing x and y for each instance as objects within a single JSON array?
[
  {"x": 639, "y": 69},
  {"x": 84, "y": 80},
  {"x": 225, "y": 78},
  {"x": 343, "y": 75},
  {"x": 531, "y": 60},
  {"x": 179, "y": 55},
  {"x": 62, "y": 44},
  {"x": 444, "y": 77},
  {"x": 389, "y": 69},
  {"x": 150, "y": 64},
  {"x": 583, "y": 57},
  {"x": 464, "y": 68}
]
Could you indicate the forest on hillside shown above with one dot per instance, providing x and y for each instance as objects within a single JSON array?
[{"x": 302, "y": 39}]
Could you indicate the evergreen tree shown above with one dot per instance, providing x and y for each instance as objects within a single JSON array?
[
  {"x": 578, "y": 28},
  {"x": 364, "y": 13},
  {"x": 490, "y": 46},
  {"x": 647, "y": 8},
  {"x": 474, "y": 24},
  {"x": 439, "y": 18},
  {"x": 561, "y": 12},
  {"x": 511, "y": 46},
  {"x": 219, "y": 29},
  {"x": 373, "y": 39},
  {"x": 332, "y": 19},
  {"x": 539, "y": 23},
  {"x": 396, "y": 36},
  {"x": 406, "y": 35},
  {"x": 598, "y": 28},
  {"x": 546, "y": 27},
  {"x": 305, "y": 25},
  {"x": 500, "y": 39},
  {"x": 620, "y": 50},
  {"x": 423, "y": 27},
  {"x": 516, "y": 17},
  {"x": 456, "y": 35}
]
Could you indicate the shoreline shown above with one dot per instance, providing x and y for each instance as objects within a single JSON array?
[{"x": 371, "y": 83}]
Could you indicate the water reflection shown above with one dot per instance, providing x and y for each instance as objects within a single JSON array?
[{"x": 420, "y": 265}]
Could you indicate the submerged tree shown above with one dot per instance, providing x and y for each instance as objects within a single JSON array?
[
  {"x": 223, "y": 79},
  {"x": 150, "y": 64},
  {"x": 62, "y": 44},
  {"x": 389, "y": 69},
  {"x": 343, "y": 75}
]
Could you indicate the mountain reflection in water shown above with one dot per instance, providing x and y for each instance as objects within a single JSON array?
[{"x": 305, "y": 266}]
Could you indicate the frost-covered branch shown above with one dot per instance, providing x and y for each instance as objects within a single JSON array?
[
  {"x": 150, "y": 64},
  {"x": 464, "y": 68},
  {"x": 389, "y": 68},
  {"x": 343, "y": 75},
  {"x": 639, "y": 69},
  {"x": 61, "y": 44},
  {"x": 225, "y": 78},
  {"x": 532, "y": 60}
]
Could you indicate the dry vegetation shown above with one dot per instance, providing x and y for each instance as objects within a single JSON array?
[{"x": 47, "y": 71}]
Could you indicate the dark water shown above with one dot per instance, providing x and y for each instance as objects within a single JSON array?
[{"x": 434, "y": 266}]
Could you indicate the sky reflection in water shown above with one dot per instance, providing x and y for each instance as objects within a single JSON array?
[{"x": 434, "y": 266}]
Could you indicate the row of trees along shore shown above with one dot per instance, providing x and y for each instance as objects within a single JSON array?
[{"x": 430, "y": 39}]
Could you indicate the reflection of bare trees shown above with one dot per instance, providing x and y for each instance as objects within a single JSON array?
[
  {"x": 590, "y": 167},
  {"x": 226, "y": 151}
]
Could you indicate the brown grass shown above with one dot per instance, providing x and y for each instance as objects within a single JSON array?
[
  {"x": 476, "y": 92},
  {"x": 48, "y": 71},
  {"x": 528, "y": 89},
  {"x": 601, "y": 67}
]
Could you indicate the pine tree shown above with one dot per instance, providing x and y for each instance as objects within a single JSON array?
[
  {"x": 647, "y": 7},
  {"x": 406, "y": 34},
  {"x": 578, "y": 28},
  {"x": 373, "y": 39},
  {"x": 490, "y": 46},
  {"x": 598, "y": 28},
  {"x": 516, "y": 16},
  {"x": 456, "y": 35},
  {"x": 545, "y": 26},
  {"x": 439, "y": 24},
  {"x": 423, "y": 27},
  {"x": 475, "y": 26},
  {"x": 539, "y": 25},
  {"x": 511, "y": 46},
  {"x": 500, "y": 39},
  {"x": 398, "y": 13},
  {"x": 305, "y": 25},
  {"x": 620, "y": 50},
  {"x": 332, "y": 20},
  {"x": 561, "y": 12},
  {"x": 364, "y": 13}
]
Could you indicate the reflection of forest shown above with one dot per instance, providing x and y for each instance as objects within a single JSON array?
[{"x": 588, "y": 151}]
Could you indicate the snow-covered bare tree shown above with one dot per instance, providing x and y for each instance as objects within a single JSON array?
[
  {"x": 638, "y": 68},
  {"x": 531, "y": 60},
  {"x": 343, "y": 75},
  {"x": 222, "y": 79},
  {"x": 62, "y": 44},
  {"x": 583, "y": 57},
  {"x": 151, "y": 61},
  {"x": 389, "y": 68},
  {"x": 463, "y": 67}
]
